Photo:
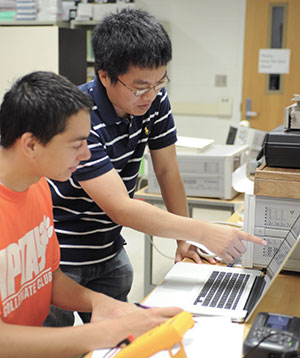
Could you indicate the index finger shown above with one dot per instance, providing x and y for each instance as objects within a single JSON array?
[{"x": 252, "y": 238}]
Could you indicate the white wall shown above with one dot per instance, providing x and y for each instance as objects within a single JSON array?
[
  {"x": 207, "y": 39},
  {"x": 26, "y": 49}
]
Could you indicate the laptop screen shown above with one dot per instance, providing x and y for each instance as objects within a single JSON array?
[{"x": 284, "y": 249}]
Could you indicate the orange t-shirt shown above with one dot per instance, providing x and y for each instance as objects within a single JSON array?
[{"x": 29, "y": 253}]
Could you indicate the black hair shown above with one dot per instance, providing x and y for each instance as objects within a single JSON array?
[
  {"x": 40, "y": 103},
  {"x": 130, "y": 37}
]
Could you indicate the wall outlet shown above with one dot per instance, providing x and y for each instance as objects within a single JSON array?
[{"x": 224, "y": 106}]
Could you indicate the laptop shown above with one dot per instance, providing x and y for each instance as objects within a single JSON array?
[{"x": 222, "y": 291}]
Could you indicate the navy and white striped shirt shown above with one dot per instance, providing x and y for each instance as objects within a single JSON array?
[{"x": 86, "y": 234}]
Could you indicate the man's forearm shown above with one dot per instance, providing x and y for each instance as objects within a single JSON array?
[
  {"x": 152, "y": 220},
  {"x": 111, "y": 195},
  {"x": 66, "y": 342},
  {"x": 224, "y": 241},
  {"x": 18, "y": 341}
]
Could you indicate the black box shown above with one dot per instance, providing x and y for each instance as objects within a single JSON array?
[{"x": 282, "y": 148}]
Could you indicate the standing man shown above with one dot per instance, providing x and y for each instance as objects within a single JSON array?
[
  {"x": 131, "y": 110},
  {"x": 44, "y": 124}
]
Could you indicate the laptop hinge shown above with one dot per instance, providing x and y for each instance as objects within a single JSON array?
[{"x": 255, "y": 293}]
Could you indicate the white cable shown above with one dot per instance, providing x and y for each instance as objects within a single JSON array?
[{"x": 158, "y": 250}]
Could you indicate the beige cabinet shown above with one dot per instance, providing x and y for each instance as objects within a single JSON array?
[{"x": 50, "y": 48}]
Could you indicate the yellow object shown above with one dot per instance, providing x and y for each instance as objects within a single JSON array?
[{"x": 159, "y": 338}]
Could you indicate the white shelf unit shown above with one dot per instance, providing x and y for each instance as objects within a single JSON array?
[{"x": 41, "y": 46}]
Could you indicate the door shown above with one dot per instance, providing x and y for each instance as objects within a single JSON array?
[{"x": 270, "y": 24}]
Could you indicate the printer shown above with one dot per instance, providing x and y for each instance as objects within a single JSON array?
[
  {"x": 254, "y": 138},
  {"x": 206, "y": 173}
]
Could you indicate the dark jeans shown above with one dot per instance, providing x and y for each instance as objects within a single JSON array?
[{"x": 113, "y": 278}]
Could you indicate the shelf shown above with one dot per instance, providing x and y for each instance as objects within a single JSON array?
[
  {"x": 35, "y": 23},
  {"x": 85, "y": 23}
]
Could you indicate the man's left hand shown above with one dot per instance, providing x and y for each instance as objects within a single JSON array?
[{"x": 185, "y": 250}]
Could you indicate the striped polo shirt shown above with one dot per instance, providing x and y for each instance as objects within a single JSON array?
[{"x": 86, "y": 234}]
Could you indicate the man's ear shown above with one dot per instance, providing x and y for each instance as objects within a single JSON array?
[
  {"x": 29, "y": 144},
  {"x": 104, "y": 78}
]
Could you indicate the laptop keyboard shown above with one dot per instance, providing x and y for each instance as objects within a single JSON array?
[{"x": 222, "y": 290}]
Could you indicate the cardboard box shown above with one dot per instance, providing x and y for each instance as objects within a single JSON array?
[{"x": 277, "y": 182}]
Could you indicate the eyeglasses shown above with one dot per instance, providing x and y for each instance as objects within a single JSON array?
[{"x": 155, "y": 88}]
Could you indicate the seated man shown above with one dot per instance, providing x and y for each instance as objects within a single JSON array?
[{"x": 44, "y": 124}]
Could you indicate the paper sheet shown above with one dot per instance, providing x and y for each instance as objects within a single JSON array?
[
  {"x": 212, "y": 337},
  {"x": 191, "y": 143},
  {"x": 240, "y": 181}
]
